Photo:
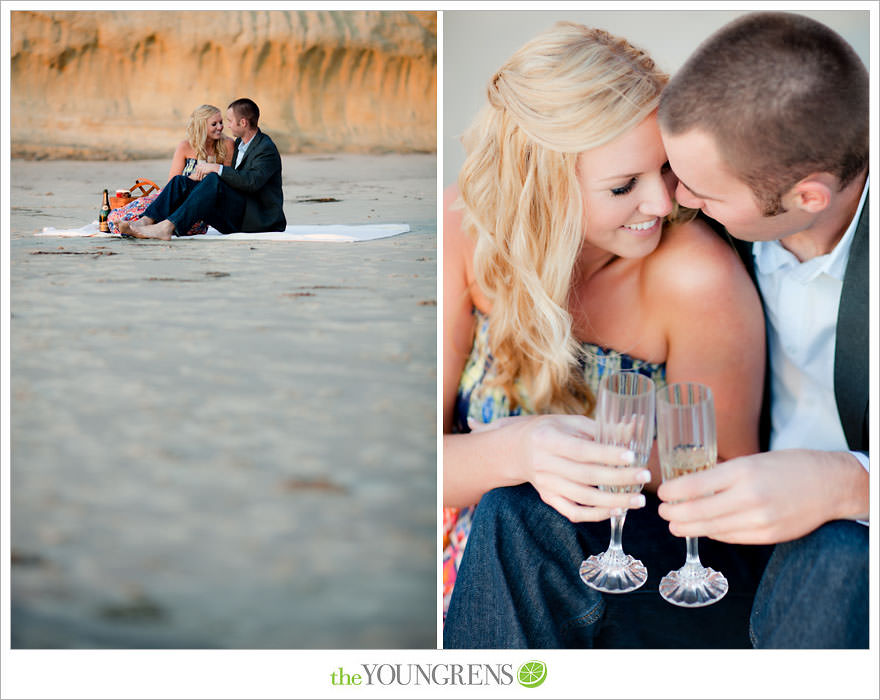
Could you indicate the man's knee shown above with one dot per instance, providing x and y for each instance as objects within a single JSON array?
[
  {"x": 814, "y": 592},
  {"x": 842, "y": 541},
  {"x": 210, "y": 182},
  {"x": 840, "y": 546}
]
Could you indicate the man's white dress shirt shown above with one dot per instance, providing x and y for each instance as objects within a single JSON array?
[
  {"x": 242, "y": 147},
  {"x": 801, "y": 302}
]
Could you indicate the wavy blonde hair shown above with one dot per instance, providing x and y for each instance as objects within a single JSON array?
[
  {"x": 571, "y": 89},
  {"x": 197, "y": 133}
]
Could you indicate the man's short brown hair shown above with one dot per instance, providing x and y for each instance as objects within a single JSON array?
[
  {"x": 244, "y": 108},
  {"x": 782, "y": 95}
]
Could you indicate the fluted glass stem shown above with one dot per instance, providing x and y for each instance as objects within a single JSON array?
[
  {"x": 693, "y": 556},
  {"x": 615, "y": 547}
]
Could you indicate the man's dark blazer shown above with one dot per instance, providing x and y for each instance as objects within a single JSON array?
[
  {"x": 851, "y": 346},
  {"x": 258, "y": 178}
]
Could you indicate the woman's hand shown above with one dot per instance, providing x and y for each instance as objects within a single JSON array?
[
  {"x": 203, "y": 169},
  {"x": 559, "y": 456}
]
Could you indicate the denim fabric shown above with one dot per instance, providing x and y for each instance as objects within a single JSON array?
[
  {"x": 814, "y": 593},
  {"x": 184, "y": 202},
  {"x": 519, "y": 587}
]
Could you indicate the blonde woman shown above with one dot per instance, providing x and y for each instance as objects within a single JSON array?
[
  {"x": 561, "y": 262},
  {"x": 204, "y": 142}
]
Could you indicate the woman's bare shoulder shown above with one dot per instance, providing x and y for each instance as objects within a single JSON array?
[
  {"x": 692, "y": 257},
  {"x": 696, "y": 277},
  {"x": 458, "y": 249},
  {"x": 184, "y": 148},
  {"x": 454, "y": 236}
]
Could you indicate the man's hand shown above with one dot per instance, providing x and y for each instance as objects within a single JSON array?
[
  {"x": 766, "y": 498},
  {"x": 203, "y": 169}
]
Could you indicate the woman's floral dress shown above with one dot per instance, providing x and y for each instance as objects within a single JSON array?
[{"x": 481, "y": 401}]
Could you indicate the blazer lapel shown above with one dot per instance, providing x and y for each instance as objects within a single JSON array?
[
  {"x": 250, "y": 149},
  {"x": 851, "y": 352},
  {"x": 235, "y": 153},
  {"x": 744, "y": 249}
]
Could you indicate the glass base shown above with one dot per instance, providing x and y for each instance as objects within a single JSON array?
[
  {"x": 693, "y": 588},
  {"x": 613, "y": 574}
]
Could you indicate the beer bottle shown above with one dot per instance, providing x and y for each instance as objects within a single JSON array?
[{"x": 103, "y": 223}]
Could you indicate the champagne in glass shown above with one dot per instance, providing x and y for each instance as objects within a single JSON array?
[
  {"x": 687, "y": 459},
  {"x": 625, "y": 413},
  {"x": 687, "y": 444}
]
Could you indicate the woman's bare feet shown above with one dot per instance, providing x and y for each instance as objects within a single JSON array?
[
  {"x": 125, "y": 227},
  {"x": 161, "y": 231}
]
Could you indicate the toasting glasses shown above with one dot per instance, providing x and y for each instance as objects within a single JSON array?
[
  {"x": 625, "y": 413},
  {"x": 687, "y": 444}
]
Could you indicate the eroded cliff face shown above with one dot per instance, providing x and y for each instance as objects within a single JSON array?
[{"x": 122, "y": 84}]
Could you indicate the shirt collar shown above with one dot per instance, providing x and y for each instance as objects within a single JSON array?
[
  {"x": 242, "y": 146},
  {"x": 771, "y": 256}
]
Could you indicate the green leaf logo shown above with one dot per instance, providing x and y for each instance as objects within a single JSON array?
[{"x": 532, "y": 673}]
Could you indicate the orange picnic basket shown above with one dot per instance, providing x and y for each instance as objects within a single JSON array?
[{"x": 123, "y": 197}]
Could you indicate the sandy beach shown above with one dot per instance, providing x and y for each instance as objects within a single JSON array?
[{"x": 225, "y": 444}]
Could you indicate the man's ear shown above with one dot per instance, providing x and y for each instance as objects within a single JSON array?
[{"x": 814, "y": 193}]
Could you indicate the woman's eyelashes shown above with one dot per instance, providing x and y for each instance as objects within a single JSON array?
[{"x": 628, "y": 187}]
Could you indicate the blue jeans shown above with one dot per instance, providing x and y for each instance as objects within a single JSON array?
[
  {"x": 184, "y": 202},
  {"x": 814, "y": 593},
  {"x": 519, "y": 586}
]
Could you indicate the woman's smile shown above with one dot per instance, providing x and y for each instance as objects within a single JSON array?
[{"x": 644, "y": 229}]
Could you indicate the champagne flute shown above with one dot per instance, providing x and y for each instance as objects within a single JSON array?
[
  {"x": 625, "y": 413},
  {"x": 687, "y": 444}
]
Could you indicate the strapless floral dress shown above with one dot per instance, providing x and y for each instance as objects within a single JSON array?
[{"x": 481, "y": 401}]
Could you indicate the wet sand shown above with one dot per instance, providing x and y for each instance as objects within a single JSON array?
[{"x": 222, "y": 444}]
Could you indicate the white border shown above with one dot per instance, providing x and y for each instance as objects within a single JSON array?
[
  {"x": 289, "y": 674},
  {"x": 439, "y": 331}
]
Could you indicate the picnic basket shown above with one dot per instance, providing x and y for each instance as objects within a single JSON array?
[{"x": 123, "y": 197}]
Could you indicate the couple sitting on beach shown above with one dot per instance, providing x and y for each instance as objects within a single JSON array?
[
  {"x": 564, "y": 259},
  {"x": 232, "y": 186}
]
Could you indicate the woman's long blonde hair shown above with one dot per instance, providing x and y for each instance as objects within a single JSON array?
[
  {"x": 197, "y": 133},
  {"x": 569, "y": 90}
]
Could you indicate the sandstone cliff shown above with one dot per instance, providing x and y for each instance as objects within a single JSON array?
[{"x": 121, "y": 84}]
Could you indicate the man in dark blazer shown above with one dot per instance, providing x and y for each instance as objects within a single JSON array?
[
  {"x": 766, "y": 128},
  {"x": 244, "y": 197}
]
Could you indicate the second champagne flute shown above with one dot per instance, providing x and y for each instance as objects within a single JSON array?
[
  {"x": 625, "y": 413},
  {"x": 687, "y": 444}
]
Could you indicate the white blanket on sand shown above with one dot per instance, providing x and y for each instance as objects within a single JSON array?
[{"x": 327, "y": 233}]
